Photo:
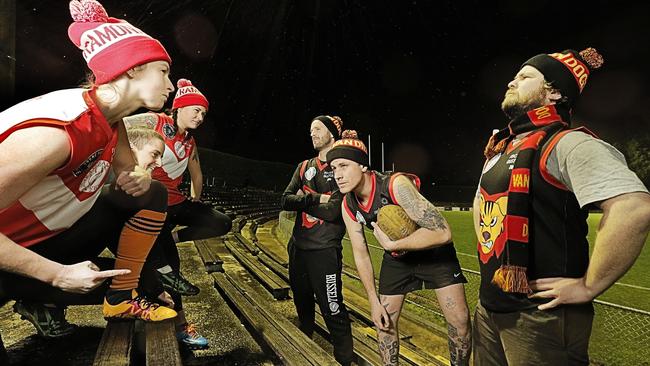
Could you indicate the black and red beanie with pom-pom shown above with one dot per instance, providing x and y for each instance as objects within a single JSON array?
[
  {"x": 333, "y": 123},
  {"x": 349, "y": 147},
  {"x": 567, "y": 71}
]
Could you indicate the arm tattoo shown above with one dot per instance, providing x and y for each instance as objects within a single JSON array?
[
  {"x": 423, "y": 212},
  {"x": 146, "y": 120},
  {"x": 195, "y": 155},
  {"x": 459, "y": 347}
]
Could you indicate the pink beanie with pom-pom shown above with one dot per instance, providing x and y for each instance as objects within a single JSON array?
[{"x": 110, "y": 46}]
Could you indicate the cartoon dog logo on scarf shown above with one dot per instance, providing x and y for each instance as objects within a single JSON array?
[{"x": 492, "y": 224}]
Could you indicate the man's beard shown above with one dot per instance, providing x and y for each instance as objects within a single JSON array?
[
  {"x": 321, "y": 143},
  {"x": 514, "y": 107}
]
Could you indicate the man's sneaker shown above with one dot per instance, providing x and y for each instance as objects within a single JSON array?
[
  {"x": 137, "y": 308},
  {"x": 191, "y": 338},
  {"x": 49, "y": 321},
  {"x": 175, "y": 282}
]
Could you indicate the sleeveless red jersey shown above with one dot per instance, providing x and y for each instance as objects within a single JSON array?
[
  {"x": 67, "y": 193},
  {"x": 178, "y": 149}
]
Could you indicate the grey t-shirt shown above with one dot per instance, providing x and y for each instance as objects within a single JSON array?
[{"x": 591, "y": 168}]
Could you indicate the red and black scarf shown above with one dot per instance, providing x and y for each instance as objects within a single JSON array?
[{"x": 540, "y": 124}]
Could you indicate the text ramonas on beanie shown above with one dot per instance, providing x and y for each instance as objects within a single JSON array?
[
  {"x": 188, "y": 94},
  {"x": 568, "y": 70},
  {"x": 110, "y": 46},
  {"x": 333, "y": 123},
  {"x": 349, "y": 147}
]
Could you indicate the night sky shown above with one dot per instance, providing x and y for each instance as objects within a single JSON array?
[{"x": 425, "y": 77}]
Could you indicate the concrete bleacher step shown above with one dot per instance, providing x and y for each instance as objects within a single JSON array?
[
  {"x": 244, "y": 242},
  {"x": 268, "y": 244},
  {"x": 366, "y": 351},
  {"x": 209, "y": 255},
  {"x": 116, "y": 344},
  {"x": 276, "y": 267},
  {"x": 267, "y": 217},
  {"x": 286, "y": 340},
  {"x": 271, "y": 281},
  {"x": 291, "y": 345},
  {"x": 161, "y": 344},
  {"x": 251, "y": 231},
  {"x": 230, "y": 341},
  {"x": 280, "y": 345},
  {"x": 271, "y": 254}
]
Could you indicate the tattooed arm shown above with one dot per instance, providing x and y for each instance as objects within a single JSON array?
[
  {"x": 196, "y": 175},
  {"x": 130, "y": 177},
  {"x": 364, "y": 268},
  {"x": 434, "y": 229},
  {"x": 143, "y": 120}
]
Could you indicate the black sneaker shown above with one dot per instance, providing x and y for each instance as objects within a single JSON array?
[
  {"x": 175, "y": 282},
  {"x": 49, "y": 321}
]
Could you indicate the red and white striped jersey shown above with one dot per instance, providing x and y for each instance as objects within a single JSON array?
[
  {"x": 67, "y": 193},
  {"x": 178, "y": 149}
]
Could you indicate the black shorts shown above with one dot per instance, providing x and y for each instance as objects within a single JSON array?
[{"x": 430, "y": 269}]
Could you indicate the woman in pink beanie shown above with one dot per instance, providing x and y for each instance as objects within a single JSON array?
[
  {"x": 202, "y": 221},
  {"x": 56, "y": 151}
]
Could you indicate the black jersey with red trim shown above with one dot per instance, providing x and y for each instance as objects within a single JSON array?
[
  {"x": 317, "y": 226},
  {"x": 381, "y": 195},
  {"x": 557, "y": 226}
]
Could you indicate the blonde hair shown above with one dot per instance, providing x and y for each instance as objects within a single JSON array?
[{"x": 139, "y": 136}]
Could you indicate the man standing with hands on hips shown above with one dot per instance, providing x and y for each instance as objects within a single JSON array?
[{"x": 530, "y": 216}]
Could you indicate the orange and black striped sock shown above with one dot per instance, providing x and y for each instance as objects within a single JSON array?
[{"x": 137, "y": 238}]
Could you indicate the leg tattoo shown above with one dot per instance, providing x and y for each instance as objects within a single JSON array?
[
  {"x": 389, "y": 348},
  {"x": 459, "y": 347}
]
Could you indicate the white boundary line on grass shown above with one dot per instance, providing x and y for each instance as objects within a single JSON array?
[{"x": 616, "y": 283}]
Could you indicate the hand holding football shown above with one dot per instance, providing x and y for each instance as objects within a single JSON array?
[{"x": 396, "y": 224}]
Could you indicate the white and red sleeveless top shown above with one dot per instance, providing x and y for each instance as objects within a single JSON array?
[
  {"x": 178, "y": 149},
  {"x": 67, "y": 193}
]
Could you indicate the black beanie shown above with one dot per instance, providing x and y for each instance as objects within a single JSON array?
[
  {"x": 334, "y": 124},
  {"x": 567, "y": 71},
  {"x": 349, "y": 147}
]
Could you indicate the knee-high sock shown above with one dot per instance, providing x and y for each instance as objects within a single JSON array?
[{"x": 137, "y": 238}]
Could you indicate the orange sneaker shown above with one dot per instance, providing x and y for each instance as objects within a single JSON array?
[{"x": 137, "y": 308}]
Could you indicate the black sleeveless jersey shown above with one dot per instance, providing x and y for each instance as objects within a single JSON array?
[{"x": 380, "y": 196}]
